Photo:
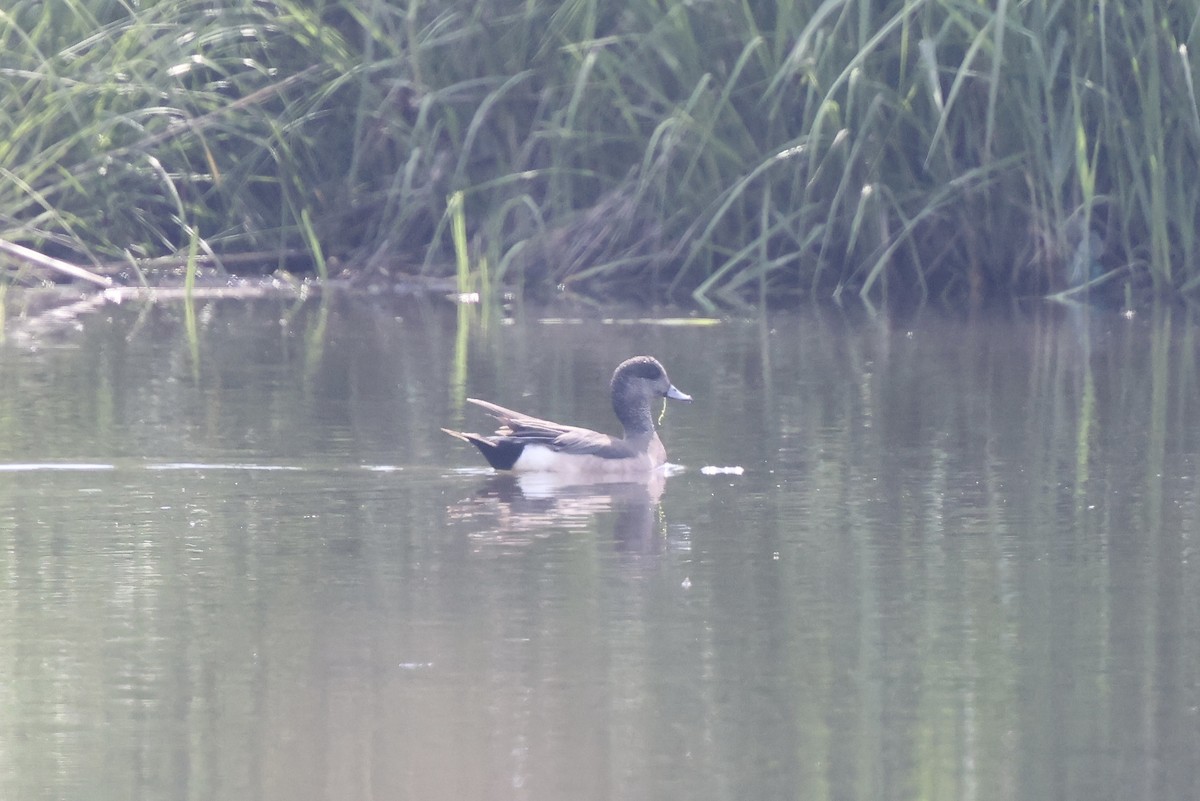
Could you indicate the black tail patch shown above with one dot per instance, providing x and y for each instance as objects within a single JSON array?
[{"x": 501, "y": 454}]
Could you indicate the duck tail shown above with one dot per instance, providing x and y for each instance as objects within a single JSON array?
[{"x": 501, "y": 454}]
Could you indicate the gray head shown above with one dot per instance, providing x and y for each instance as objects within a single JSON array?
[{"x": 635, "y": 384}]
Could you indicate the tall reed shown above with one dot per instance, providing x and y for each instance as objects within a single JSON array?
[
  {"x": 122, "y": 127},
  {"x": 723, "y": 150}
]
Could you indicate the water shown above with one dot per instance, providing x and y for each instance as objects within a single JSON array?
[{"x": 959, "y": 564}]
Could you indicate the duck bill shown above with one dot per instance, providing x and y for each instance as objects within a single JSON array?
[{"x": 675, "y": 394}]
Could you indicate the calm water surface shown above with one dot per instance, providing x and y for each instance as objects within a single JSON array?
[{"x": 960, "y": 561}]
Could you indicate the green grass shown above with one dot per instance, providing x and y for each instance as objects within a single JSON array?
[{"x": 726, "y": 151}]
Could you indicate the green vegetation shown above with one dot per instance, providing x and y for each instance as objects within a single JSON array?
[{"x": 726, "y": 149}]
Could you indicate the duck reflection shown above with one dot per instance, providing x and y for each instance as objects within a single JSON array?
[{"x": 522, "y": 508}]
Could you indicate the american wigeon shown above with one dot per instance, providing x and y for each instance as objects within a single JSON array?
[{"x": 529, "y": 444}]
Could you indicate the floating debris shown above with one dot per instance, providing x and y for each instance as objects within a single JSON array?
[
  {"x": 666, "y": 321},
  {"x": 713, "y": 470},
  {"x": 22, "y": 467}
]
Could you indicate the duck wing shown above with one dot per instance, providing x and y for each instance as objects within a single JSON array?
[
  {"x": 571, "y": 439},
  {"x": 519, "y": 425}
]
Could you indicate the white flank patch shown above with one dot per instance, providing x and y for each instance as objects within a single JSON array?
[{"x": 538, "y": 459}]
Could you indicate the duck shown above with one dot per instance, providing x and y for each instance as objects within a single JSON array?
[{"x": 526, "y": 444}]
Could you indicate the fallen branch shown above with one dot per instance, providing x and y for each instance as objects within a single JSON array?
[
  {"x": 27, "y": 330},
  {"x": 224, "y": 260},
  {"x": 50, "y": 263}
]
